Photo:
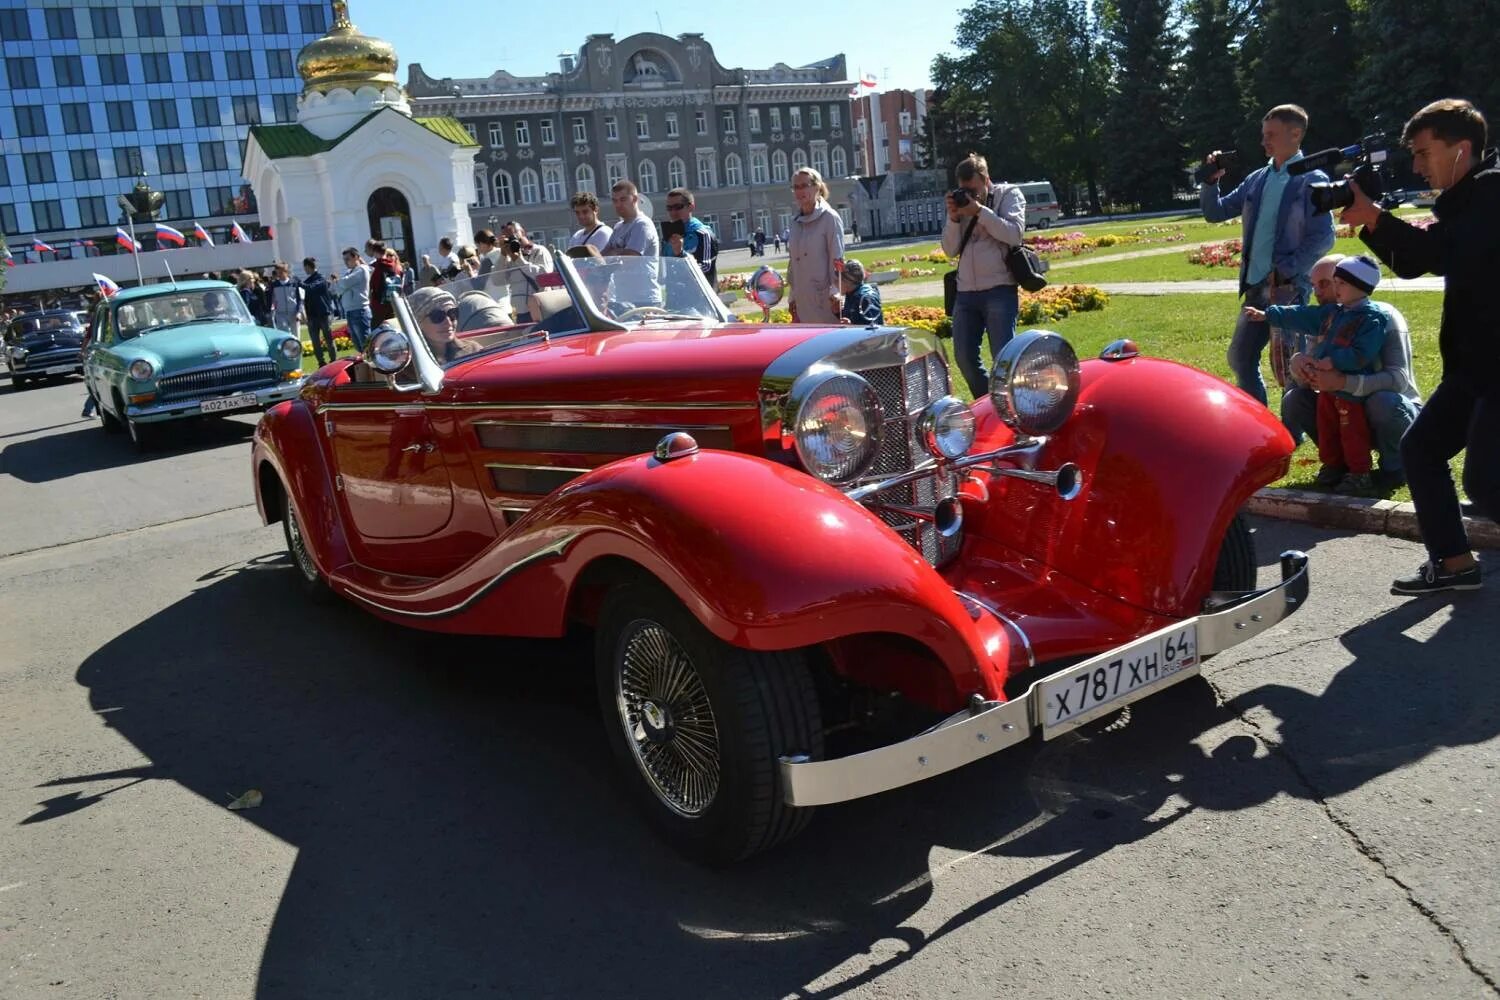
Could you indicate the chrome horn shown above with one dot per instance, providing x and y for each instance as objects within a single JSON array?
[{"x": 1067, "y": 480}]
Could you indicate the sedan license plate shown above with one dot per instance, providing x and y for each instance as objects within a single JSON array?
[
  {"x": 62, "y": 369},
  {"x": 1082, "y": 693},
  {"x": 243, "y": 401}
]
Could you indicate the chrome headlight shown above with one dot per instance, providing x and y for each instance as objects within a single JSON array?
[
  {"x": 141, "y": 370},
  {"x": 837, "y": 424},
  {"x": 388, "y": 350},
  {"x": 1035, "y": 384},
  {"x": 946, "y": 428},
  {"x": 19, "y": 353},
  {"x": 291, "y": 349}
]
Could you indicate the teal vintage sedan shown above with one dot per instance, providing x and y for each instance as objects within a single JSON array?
[{"x": 190, "y": 349}]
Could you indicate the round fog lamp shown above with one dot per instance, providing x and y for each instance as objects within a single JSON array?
[
  {"x": 141, "y": 370},
  {"x": 947, "y": 428},
  {"x": 1036, "y": 381}
]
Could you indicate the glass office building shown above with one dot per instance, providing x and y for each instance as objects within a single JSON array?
[{"x": 97, "y": 93}]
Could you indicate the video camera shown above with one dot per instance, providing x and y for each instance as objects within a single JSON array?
[
  {"x": 1364, "y": 163},
  {"x": 1226, "y": 160}
]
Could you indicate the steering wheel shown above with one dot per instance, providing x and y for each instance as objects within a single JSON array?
[{"x": 642, "y": 312}]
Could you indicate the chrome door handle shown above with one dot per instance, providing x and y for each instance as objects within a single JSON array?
[{"x": 420, "y": 446}]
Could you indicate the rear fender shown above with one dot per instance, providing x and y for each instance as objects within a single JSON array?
[{"x": 1169, "y": 455}]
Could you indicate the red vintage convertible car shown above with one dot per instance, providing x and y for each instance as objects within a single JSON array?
[{"x": 779, "y": 532}]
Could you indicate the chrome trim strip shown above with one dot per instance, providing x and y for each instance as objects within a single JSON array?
[
  {"x": 535, "y": 468},
  {"x": 990, "y": 727},
  {"x": 1004, "y": 620},
  {"x": 591, "y": 424},
  {"x": 588, "y": 437},
  {"x": 557, "y": 548},
  {"x": 543, "y": 405}
]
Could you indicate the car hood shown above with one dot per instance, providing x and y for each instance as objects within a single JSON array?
[
  {"x": 200, "y": 344},
  {"x": 48, "y": 341},
  {"x": 680, "y": 363}
]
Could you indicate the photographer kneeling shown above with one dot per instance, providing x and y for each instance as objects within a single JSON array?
[{"x": 1447, "y": 141}]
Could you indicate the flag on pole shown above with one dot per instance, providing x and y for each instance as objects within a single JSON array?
[
  {"x": 269, "y": 234},
  {"x": 125, "y": 242},
  {"x": 854, "y": 90},
  {"x": 868, "y": 80},
  {"x": 106, "y": 286},
  {"x": 41, "y": 247},
  {"x": 9, "y": 260},
  {"x": 201, "y": 235},
  {"x": 166, "y": 234},
  {"x": 237, "y": 234}
]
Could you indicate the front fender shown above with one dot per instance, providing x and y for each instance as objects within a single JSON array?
[{"x": 287, "y": 456}]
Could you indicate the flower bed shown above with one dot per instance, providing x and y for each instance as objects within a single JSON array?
[
  {"x": 1059, "y": 302},
  {"x": 1225, "y": 254},
  {"x": 1075, "y": 243}
]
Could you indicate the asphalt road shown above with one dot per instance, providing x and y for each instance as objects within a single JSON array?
[{"x": 1318, "y": 819}]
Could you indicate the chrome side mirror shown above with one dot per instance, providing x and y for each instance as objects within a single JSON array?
[
  {"x": 766, "y": 287},
  {"x": 388, "y": 351}
]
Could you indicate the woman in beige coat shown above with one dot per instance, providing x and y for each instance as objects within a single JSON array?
[{"x": 816, "y": 249}]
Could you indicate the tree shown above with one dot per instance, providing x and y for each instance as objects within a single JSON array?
[
  {"x": 1212, "y": 115},
  {"x": 1142, "y": 128},
  {"x": 1303, "y": 52}
]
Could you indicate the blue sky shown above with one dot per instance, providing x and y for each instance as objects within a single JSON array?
[{"x": 523, "y": 36}]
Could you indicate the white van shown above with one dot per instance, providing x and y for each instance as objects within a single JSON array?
[{"x": 1042, "y": 209}]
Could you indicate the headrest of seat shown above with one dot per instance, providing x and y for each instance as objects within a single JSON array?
[{"x": 546, "y": 301}]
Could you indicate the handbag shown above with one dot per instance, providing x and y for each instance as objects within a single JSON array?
[
  {"x": 950, "y": 280},
  {"x": 1027, "y": 267}
]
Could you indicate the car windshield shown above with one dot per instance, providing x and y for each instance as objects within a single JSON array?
[
  {"x": 213, "y": 305},
  {"x": 465, "y": 316},
  {"x": 26, "y": 326}
]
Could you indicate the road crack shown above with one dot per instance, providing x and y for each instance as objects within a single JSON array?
[{"x": 117, "y": 534}]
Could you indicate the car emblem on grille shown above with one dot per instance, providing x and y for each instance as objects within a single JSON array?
[{"x": 214, "y": 356}]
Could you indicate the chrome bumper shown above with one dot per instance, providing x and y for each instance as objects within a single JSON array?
[
  {"x": 180, "y": 408},
  {"x": 990, "y": 727}
]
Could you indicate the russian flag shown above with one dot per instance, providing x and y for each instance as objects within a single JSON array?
[
  {"x": 125, "y": 242},
  {"x": 868, "y": 80},
  {"x": 237, "y": 234},
  {"x": 201, "y": 235},
  {"x": 166, "y": 234},
  {"x": 41, "y": 247},
  {"x": 106, "y": 286},
  {"x": 9, "y": 260},
  {"x": 269, "y": 235}
]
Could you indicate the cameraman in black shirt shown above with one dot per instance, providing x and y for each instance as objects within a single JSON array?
[{"x": 1447, "y": 141}]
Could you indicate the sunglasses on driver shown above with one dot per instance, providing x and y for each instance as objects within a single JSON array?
[{"x": 438, "y": 315}]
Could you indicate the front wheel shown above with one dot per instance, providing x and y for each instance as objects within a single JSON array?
[
  {"x": 313, "y": 586},
  {"x": 1235, "y": 566},
  {"x": 143, "y": 437},
  {"x": 699, "y": 726}
]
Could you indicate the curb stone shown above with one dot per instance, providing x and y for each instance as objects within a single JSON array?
[{"x": 1363, "y": 514}]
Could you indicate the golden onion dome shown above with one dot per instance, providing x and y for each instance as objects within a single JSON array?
[{"x": 345, "y": 58}]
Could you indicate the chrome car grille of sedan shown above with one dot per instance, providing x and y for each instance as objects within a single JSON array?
[
  {"x": 63, "y": 356},
  {"x": 217, "y": 379}
]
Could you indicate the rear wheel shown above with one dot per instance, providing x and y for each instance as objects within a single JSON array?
[
  {"x": 313, "y": 586},
  {"x": 20, "y": 381},
  {"x": 1235, "y": 567},
  {"x": 699, "y": 726}
]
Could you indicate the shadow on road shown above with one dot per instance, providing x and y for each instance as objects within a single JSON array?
[
  {"x": 86, "y": 448},
  {"x": 459, "y": 827}
]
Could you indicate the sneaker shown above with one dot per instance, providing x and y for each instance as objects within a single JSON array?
[
  {"x": 1355, "y": 483},
  {"x": 1330, "y": 475},
  {"x": 1429, "y": 579},
  {"x": 1388, "y": 481}
]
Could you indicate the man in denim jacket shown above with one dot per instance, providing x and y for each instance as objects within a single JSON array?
[{"x": 1282, "y": 240}]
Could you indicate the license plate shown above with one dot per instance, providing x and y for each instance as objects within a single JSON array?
[
  {"x": 1082, "y": 693},
  {"x": 243, "y": 401},
  {"x": 62, "y": 369}
]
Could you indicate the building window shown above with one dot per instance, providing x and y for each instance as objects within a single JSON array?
[
  {"x": 481, "y": 189},
  {"x": 246, "y": 109},
  {"x": 84, "y": 164},
  {"x": 529, "y": 193},
  {"x": 615, "y": 170},
  {"x": 206, "y": 111},
  {"x": 523, "y": 133},
  {"x": 93, "y": 212},
  {"x": 784, "y": 220},
  {"x": 39, "y": 168},
  {"x": 736, "y": 225},
  {"x": 553, "y": 188},
  {"x": 148, "y": 22},
  {"x": 170, "y": 160},
  {"x": 700, "y": 122},
  {"x": 580, "y": 130},
  {"x": 840, "y": 164},
  {"x": 642, "y": 127},
  {"x": 815, "y": 113},
  {"x": 279, "y": 63},
  {"x": 775, "y": 119},
  {"x": 21, "y": 72},
  {"x": 164, "y": 114},
  {"x": 544, "y": 128},
  {"x": 612, "y": 128},
  {"x": 60, "y": 24},
  {"x": 232, "y": 20},
  {"x": 583, "y": 179},
  {"x": 128, "y": 162},
  {"x": 752, "y": 119},
  {"x": 835, "y": 117},
  {"x": 14, "y": 27},
  {"x": 284, "y": 107},
  {"x": 758, "y": 166},
  {"x": 67, "y": 71},
  {"x": 676, "y": 173},
  {"x": 469, "y": 127},
  {"x": 158, "y": 66},
  {"x": 191, "y": 21},
  {"x": 732, "y": 175},
  {"x": 8, "y": 212},
  {"x": 706, "y": 172},
  {"x": 646, "y": 174},
  {"x": 272, "y": 19},
  {"x": 762, "y": 220},
  {"x": 31, "y": 121},
  {"x": 820, "y": 160},
  {"x": 76, "y": 119},
  {"x": 213, "y": 156},
  {"x": 239, "y": 65},
  {"x": 672, "y": 131},
  {"x": 796, "y": 116},
  {"x": 497, "y": 136},
  {"x": 177, "y": 204},
  {"x": 105, "y": 21},
  {"x": 504, "y": 192},
  {"x": 313, "y": 20},
  {"x": 200, "y": 66},
  {"x": 113, "y": 70},
  {"x": 778, "y": 166},
  {"x": 727, "y": 119},
  {"x": 799, "y": 160},
  {"x": 220, "y": 200},
  {"x": 47, "y": 214},
  {"x": 905, "y": 117}
]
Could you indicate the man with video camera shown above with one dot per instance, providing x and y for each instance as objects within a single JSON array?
[
  {"x": 1282, "y": 234},
  {"x": 1447, "y": 142}
]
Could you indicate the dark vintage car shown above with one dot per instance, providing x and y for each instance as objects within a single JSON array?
[
  {"x": 811, "y": 572},
  {"x": 43, "y": 344}
]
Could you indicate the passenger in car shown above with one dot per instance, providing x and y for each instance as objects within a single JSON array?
[{"x": 436, "y": 311}]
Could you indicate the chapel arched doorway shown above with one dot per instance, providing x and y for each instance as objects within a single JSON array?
[{"x": 390, "y": 221}]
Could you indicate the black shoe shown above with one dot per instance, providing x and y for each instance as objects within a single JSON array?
[
  {"x": 1468, "y": 508},
  {"x": 1388, "y": 481},
  {"x": 1429, "y": 579}
]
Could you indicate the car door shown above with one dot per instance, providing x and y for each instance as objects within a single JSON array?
[{"x": 96, "y": 356}]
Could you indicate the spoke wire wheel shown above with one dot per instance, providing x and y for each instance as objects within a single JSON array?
[
  {"x": 297, "y": 546},
  {"x": 667, "y": 718}
]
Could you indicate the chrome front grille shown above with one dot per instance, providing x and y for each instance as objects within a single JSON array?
[
  {"x": 59, "y": 356},
  {"x": 218, "y": 379}
]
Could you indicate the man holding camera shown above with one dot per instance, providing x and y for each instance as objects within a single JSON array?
[
  {"x": 1447, "y": 141},
  {"x": 984, "y": 221},
  {"x": 1282, "y": 235},
  {"x": 521, "y": 261}
]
